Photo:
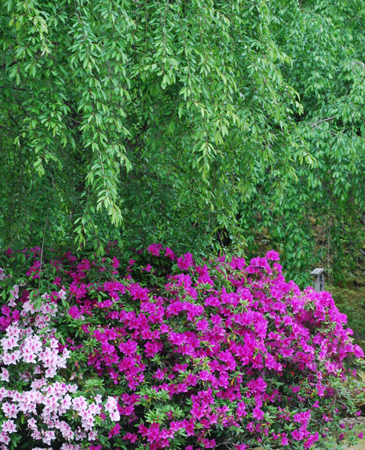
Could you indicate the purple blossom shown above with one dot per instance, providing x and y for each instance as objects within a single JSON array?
[
  {"x": 154, "y": 249},
  {"x": 214, "y": 338}
]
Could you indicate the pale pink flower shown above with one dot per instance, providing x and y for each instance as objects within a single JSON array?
[
  {"x": 4, "y": 438},
  {"x": 111, "y": 404},
  {"x": 16, "y": 396},
  {"x": 38, "y": 384},
  {"x": 65, "y": 404},
  {"x": 111, "y": 407},
  {"x": 115, "y": 416},
  {"x": 3, "y": 393},
  {"x": 28, "y": 307},
  {"x": 11, "y": 358},
  {"x": 37, "y": 370},
  {"x": 32, "y": 344},
  {"x": 53, "y": 343},
  {"x": 9, "y": 426},
  {"x": 32, "y": 424},
  {"x": 29, "y": 357},
  {"x": 62, "y": 294},
  {"x": 93, "y": 435},
  {"x": 10, "y": 410},
  {"x": 15, "y": 291},
  {"x": 48, "y": 308},
  {"x": 9, "y": 343},
  {"x": 36, "y": 435},
  {"x": 48, "y": 436},
  {"x": 4, "y": 375},
  {"x": 94, "y": 409}
]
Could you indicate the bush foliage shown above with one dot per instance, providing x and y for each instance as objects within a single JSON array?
[{"x": 164, "y": 351}]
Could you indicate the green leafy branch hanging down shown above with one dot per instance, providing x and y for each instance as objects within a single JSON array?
[{"x": 158, "y": 115}]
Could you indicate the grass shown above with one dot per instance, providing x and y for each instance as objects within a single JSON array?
[{"x": 351, "y": 301}]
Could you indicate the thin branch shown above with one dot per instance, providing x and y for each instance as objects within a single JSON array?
[
  {"x": 26, "y": 112},
  {"x": 314, "y": 124},
  {"x": 14, "y": 88},
  {"x": 6, "y": 128},
  {"x": 12, "y": 118}
]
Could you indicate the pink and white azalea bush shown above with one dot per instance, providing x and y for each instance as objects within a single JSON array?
[
  {"x": 32, "y": 389},
  {"x": 163, "y": 351}
]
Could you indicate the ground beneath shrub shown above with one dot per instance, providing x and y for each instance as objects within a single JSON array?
[
  {"x": 352, "y": 303},
  {"x": 360, "y": 446},
  {"x": 359, "y": 426}
]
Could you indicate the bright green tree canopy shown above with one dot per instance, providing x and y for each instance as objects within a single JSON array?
[
  {"x": 158, "y": 114},
  {"x": 320, "y": 219}
]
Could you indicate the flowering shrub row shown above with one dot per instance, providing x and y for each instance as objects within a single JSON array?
[{"x": 167, "y": 352}]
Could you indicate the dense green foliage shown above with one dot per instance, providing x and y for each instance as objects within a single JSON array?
[
  {"x": 192, "y": 123},
  {"x": 321, "y": 219},
  {"x": 154, "y": 113}
]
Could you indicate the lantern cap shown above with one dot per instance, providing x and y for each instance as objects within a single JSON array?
[{"x": 317, "y": 271}]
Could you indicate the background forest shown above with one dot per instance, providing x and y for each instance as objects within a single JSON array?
[{"x": 199, "y": 124}]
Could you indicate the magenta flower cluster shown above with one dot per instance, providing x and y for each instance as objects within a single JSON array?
[{"x": 171, "y": 352}]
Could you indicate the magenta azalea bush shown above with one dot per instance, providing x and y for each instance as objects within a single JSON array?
[{"x": 165, "y": 351}]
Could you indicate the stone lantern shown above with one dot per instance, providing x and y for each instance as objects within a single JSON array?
[{"x": 318, "y": 275}]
